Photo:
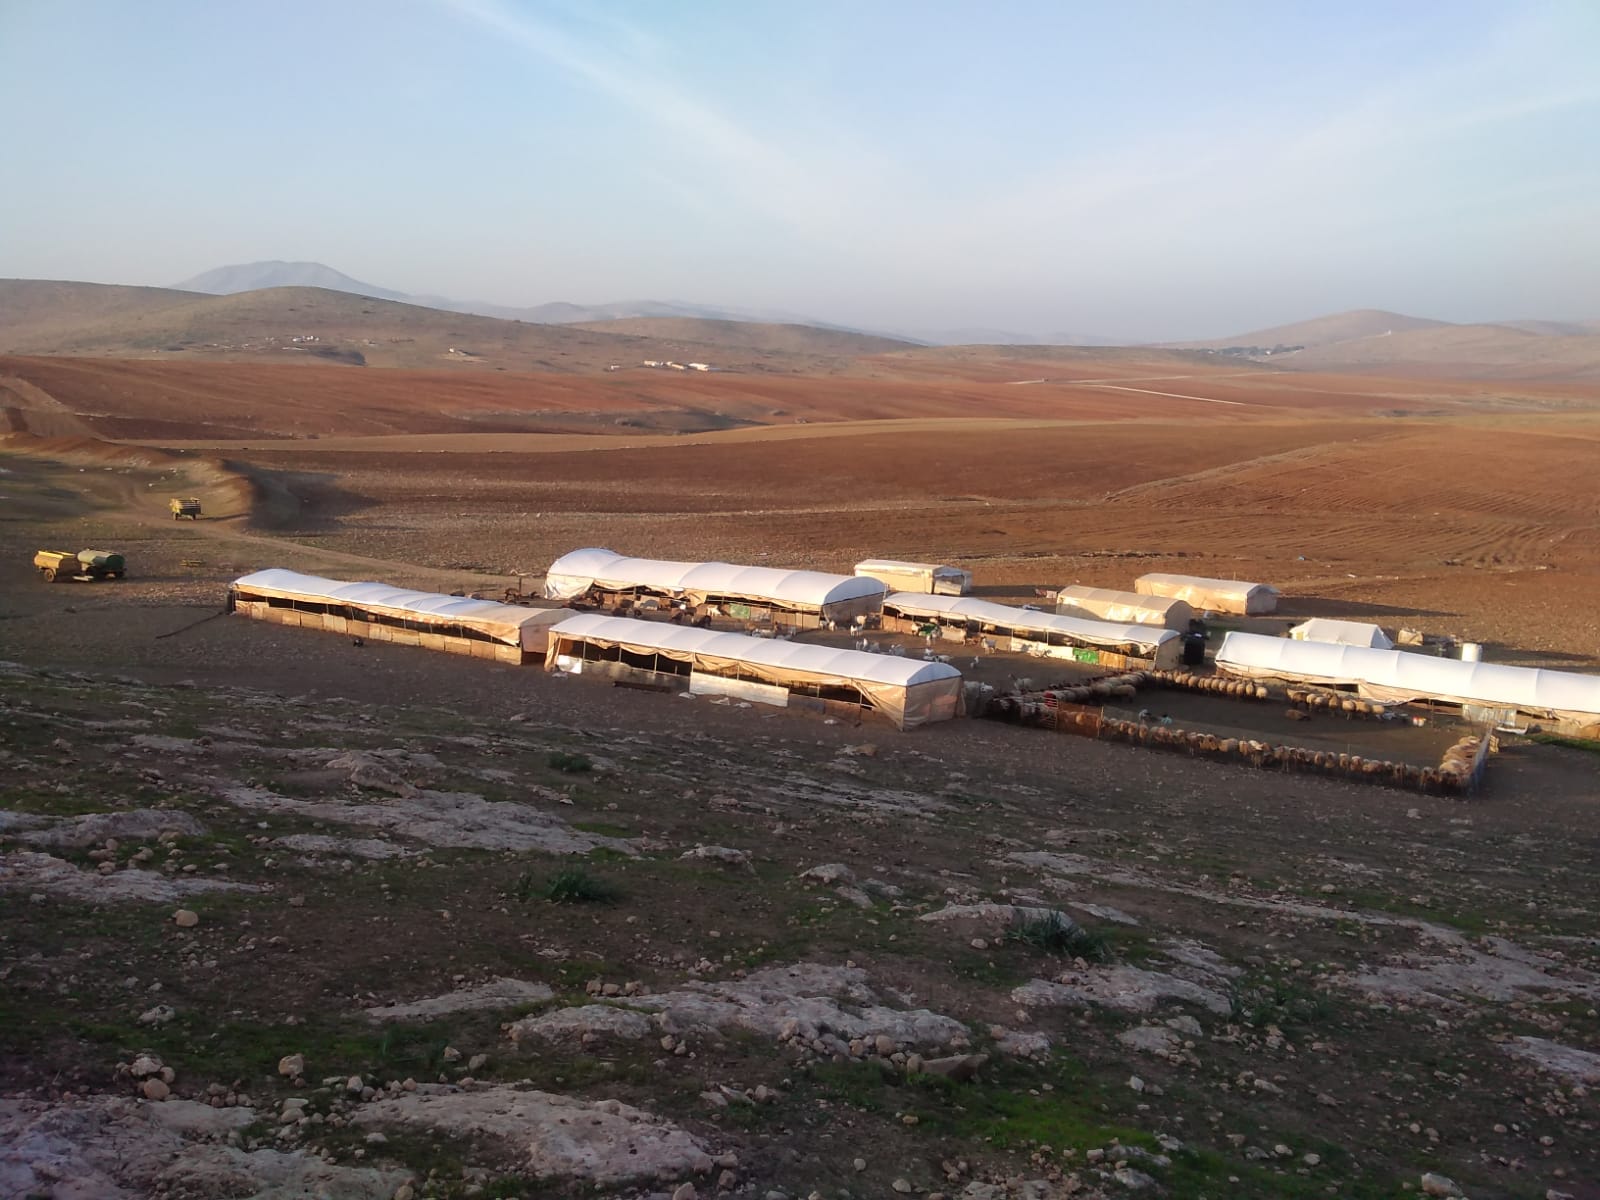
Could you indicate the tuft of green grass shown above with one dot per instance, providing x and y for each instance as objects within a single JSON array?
[
  {"x": 1057, "y": 934},
  {"x": 1592, "y": 745},
  {"x": 569, "y": 763},
  {"x": 577, "y": 886}
]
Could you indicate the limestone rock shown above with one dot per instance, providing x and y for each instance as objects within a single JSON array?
[{"x": 604, "y": 1142}]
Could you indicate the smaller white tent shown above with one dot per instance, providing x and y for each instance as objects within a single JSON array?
[
  {"x": 934, "y": 578},
  {"x": 1343, "y": 633},
  {"x": 1129, "y": 608},
  {"x": 1218, "y": 595}
]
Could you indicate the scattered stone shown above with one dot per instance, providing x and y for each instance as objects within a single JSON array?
[
  {"x": 725, "y": 855},
  {"x": 477, "y": 1062},
  {"x": 996, "y": 917},
  {"x": 159, "y": 1015},
  {"x": 292, "y": 1066},
  {"x": 829, "y": 874},
  {"x": 155, "y": 1089},
  {"x": 1440, "y": 1185},
  {"x": 903, "y": 1186},
  {"x": 1151, "y": 1039},
  {"x": 135, "y": 825},
  {"x": 186, "y": 918},
  {"x": 685, "y": 1191},
  {"x": 958, "y": 1067},
  {"x": 144, "y": 1066}
]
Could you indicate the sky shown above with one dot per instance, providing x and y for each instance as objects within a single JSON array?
[{"x": 1142, "y": 170}]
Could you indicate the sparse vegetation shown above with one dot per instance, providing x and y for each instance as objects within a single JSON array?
[
  {"x": 577, "y": 886},
  {"x": 1055, "y": 933},
  {"x": 570, "y": 763}
]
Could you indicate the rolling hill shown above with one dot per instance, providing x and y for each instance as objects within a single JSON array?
[
  {"x": 316, "y": 324},
  {"x": 1462, "y": 351},
  {"x": 1322, "y": 331}
]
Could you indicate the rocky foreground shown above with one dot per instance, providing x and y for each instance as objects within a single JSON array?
[{"x": 276, "y": 945}]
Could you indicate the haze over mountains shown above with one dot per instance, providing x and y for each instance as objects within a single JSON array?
[{"x": 249, "y": 310}]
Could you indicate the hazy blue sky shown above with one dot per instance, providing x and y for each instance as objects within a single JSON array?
[{"x": 1144, "y": 170}]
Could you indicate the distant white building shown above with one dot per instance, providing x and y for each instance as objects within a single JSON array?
[{"x": 699, "y": 366}]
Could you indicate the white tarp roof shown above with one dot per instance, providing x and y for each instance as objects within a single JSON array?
[
  {"x": 504, "y": 622},
  {"x": 1127, "y": 607},
  {"x": 896, "y": 566},
  {"x": 1094, "y": 633},
  {"x": 573, "y": 574},
  {"x": 791, "y": 656},
  {"x": 1398, "y": 675},
  {"x": 1210, "y": 593},
  {"x": 1344, "y": 633}
]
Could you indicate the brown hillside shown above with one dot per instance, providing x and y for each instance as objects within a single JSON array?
[
  {"x": 1461, "y": 351},
  {"x": 747, "y": 335},
  {"x": 1322, "y": 331},
  {"x": 46, "y": 311}
]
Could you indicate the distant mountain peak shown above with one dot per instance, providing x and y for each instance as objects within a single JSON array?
[{"x": 251, "y": 277}]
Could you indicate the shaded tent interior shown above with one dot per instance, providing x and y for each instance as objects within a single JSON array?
[{"x": 1086, "y": 640}]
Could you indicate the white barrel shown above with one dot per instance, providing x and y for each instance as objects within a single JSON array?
[{"x": 1471, "y": 652}]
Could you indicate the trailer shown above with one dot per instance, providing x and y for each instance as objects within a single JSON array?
[
  {"x": 185, "y": 508},
  {"x": 85, "y": 566}
]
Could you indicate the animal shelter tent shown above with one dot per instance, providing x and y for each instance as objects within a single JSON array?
[
  {"x": 1398, "y": 676},
  {"x": 824, "y": 596},
  {"x": 1218, "y": 595},
  {"x": 907, "y": 691},
  {"x": 899, "y": 576},
  {"x": 1126, "y": 608},
  {"x": 1162, "y": 646},
  {"x": 1343, "y": 633},
  {"x": 458, "y": 624}
]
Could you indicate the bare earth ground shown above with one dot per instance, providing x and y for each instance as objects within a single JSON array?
[{"x": 1288, "y": 986}]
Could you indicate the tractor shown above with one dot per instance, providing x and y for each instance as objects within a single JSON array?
[
  {"x": 185, "y": 508},
  {"x": 84, "y": 566}
]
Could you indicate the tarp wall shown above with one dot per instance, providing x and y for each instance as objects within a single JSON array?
[
  {"x": 1219, "y": 595},
  {"x": 1397, "y": 676},
  {"x": 909, "y": 692}
]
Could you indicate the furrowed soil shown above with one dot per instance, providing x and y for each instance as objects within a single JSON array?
[{"x": 589, "y": 908}]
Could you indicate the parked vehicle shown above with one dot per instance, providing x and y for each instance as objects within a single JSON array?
[
  {"x": 185, "y": 508},
  {"x": 84, "y": 566}
]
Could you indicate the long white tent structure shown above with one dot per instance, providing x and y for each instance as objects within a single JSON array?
[
  {"x": 1398, "y": 676},
  {"x": 829, "y": 597},
  {"x": 1127, "y": 608},
  {"x": 935, "y": 578},
  {"x": 1343, "y": 633},
  {"x": 1218, "y": 595},
  {"x": 1162, "y": 646},
  {"x": 910, "y": 692},
  {"x": 482, "y": 628}
]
